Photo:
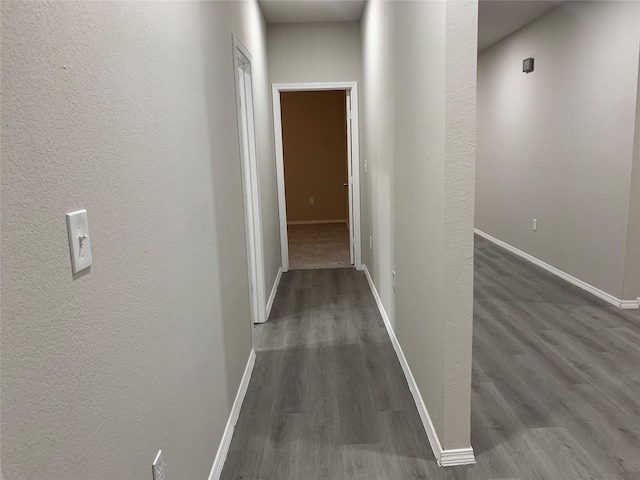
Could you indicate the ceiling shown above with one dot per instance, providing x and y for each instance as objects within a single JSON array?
[
  {"x": 290, "y": 11},
  {"x": 498, "y": 19}
]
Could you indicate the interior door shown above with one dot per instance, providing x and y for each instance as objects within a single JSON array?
[{"x": 350, "y": 180}]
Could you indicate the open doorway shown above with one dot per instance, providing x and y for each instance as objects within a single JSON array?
[{"x": 318, "y": 175}]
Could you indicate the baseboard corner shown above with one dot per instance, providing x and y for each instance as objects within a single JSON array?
[
  {"x": 630, "y": 304},
  {"x": 225, "y": 442},
  {"x": 457, "y": 457}
]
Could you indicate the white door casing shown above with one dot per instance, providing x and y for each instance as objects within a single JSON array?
[
  {"x": 353, "y": 165},
  {"x": 250, "y": 181}
]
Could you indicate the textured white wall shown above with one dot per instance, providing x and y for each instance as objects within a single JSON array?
[
  {"x": 314, "y": 52},
  {"x": 126, "y": 109},
  {"x": 556, "y": 144},
  {"x": 631, "y": 290},
  {"x": 435, "y": 78},
  {"x": 419, "y": 103},
  {"x": 376, "y": 146}
]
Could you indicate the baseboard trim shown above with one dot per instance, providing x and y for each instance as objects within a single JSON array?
[
  {"x": 630, "y": 304},
  {"x": 314, "y": 222},
  {"x": 274, "y": 290},
  {"x": 445, "y": 458},
  {"x": 460, "y": 456},
  {"x": 223, "y": 449},
  {"x": 607, "y": 297}
]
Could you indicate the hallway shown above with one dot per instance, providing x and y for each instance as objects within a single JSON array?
[
  {"x": 328, "y": 398},
  {"x": 552, "y": 398}
]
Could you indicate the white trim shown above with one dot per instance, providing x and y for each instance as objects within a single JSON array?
[
  {"x": 315, "y": 222},
  {"x": 250, "y": 184},
  {"x": 630, "y": 304},
  {"x": 607, "y": 297},
  {"x": 225, "y": 442},
  {"x": 458, "y": 456},
  {"x": 277, "y": 129},
  {"x": 274, "y": 290},
  {"x": 445, "y": 458}
]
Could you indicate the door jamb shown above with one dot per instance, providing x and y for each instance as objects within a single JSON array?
[
  {"x": 251, "y": 189},
  {"x": 355, "y": 161}
]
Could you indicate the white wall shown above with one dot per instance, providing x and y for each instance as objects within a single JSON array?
[
  {"x": 317, "y": 52},
  {"x": 631, "y": 290},
  {"x": 420, "y": 136},
  {"x": 376, "y": 147},
  {"x": 556, "y": 144},
  {"x": 314, "y": 52},
  {"x": 126, "y": 109}
]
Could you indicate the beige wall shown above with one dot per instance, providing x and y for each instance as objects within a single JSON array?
[
  {"x": 432, "y": 107},
  {"x": 556, "y": 144},
  {"x": 314, "y": 137},
  {"x": 126, "y": 109},
  {"x": 314, "y": 52}
]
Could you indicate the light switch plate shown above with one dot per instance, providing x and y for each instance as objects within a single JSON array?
[{"x": 79, "y": 240}]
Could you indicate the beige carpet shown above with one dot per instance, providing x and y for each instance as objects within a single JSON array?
[{"x": 318, "y": 246}]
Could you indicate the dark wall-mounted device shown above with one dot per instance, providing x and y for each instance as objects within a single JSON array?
[{"x": 527, "y": 65}]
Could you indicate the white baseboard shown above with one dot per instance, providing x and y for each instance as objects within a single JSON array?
[
  {"x": 455, "y": 457},
  {"x": 630, "y": 304},
  {"x": 607, "y": 297},
  {"x": 223, "y": 449},
  {"x": 274, "y": 290},
  {"x": 445, "y": 458},
  {"x": 314, "y": 222}
]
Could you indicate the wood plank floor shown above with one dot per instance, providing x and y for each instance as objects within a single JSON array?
[{"x": 555, "y": 394}]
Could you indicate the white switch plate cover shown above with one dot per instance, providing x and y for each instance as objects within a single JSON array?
[
  {"x": 535, "y": 224},
  {"x": 79, "y": 240}
]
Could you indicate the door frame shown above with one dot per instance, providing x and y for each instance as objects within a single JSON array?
[
  {"x": 250, "y": 183},
  {"x": 352, "y": 88}
]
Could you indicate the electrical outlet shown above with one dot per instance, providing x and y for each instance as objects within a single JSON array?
[
  {"x": 393, "y": 274},
  {"x": 370, "y": 243},
  {"x": 366, "y": 168},
  {"x": 158, "y": 467},
  {"x": 312, "y": 201},
  {"x": 535, "y": 224}
]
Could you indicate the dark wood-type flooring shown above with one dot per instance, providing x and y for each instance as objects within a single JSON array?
[{"x": 555, "y": 394}]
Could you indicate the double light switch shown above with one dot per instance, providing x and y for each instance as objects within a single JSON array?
[{"x": 79, "y": 241}]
